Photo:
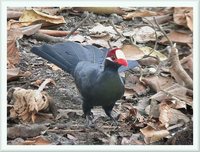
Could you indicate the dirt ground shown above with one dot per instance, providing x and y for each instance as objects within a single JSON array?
[
  {"x": 65, "y": 95},
  {"x": 70, "y": 127}
]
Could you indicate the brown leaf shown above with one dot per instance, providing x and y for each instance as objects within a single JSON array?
[
  {"x": 178, "y": 37},
  {"x": 39, "y": 140},
  {"x": 154, "y": 109},
  {"x": 101, "y": 10},
  {"x": 189, "y": 19},
  {"x": 12, "y": 48},
  {"x": 139, "y": 13},
  {"x": 48, "y": 10},
  {"x": 145, "y": 34},
  {"x": 27, "y": 103},
  {"x": 99, "y": 28},
  {"x": 184, "y": 16},
  {"x": 12, "y": 74},
  {"x": 175, "y": 91},
  {"x": 160, "y": 19},
  {"x": 187, "y": 63},
  {"x": 152, "y": 135},
  {"x": 13, "y": 24},
  {"x": 13, "y": 14},
  {"x": 158, "y": 83},
  {"x": 132, "y": 52},
  {"x": 169, "y": 116},
  {"x": 133, "y": 87},
  {"x": 35, "y": 17}
]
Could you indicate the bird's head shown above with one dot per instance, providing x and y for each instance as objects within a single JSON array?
[{"x": 116, "y": 55}]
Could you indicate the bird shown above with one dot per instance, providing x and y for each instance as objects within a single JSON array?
[{"x": 95, "y": 71}]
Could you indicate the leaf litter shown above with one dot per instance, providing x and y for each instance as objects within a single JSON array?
[{"x": 156, "y": 93}]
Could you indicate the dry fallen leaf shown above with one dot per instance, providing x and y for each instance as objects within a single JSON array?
[
  {"x": 187, "y": 63},
  {"x": 132, "y": 52},
  {"x": 169, "y": 116},
  {"x": 145, "y": 34},
  {"x": 99, "y": 28},
  {"x": 101, "y": 10},
  {"x": 178, "y": 37},
  {"x": 12, "y": 73},
  {"x": 35, "y": 17},
  {"x": 12, "y": 48},
  {"x": 13, "y": 24},
  {"x": 27, "y": 103},
  {"x": 139, "y": 13},
  {"x": 160, "y": 19},
  {"x": 153, "y": 134},
  {"x": 184, "y": 16},
  {"x": 39, "y": 140},
  {"x": 158, "y": 83},
  {"x": 13, "y": 14},
  {"x": 176, "y": 92}
]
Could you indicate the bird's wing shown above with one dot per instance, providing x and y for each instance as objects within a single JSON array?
[{"x": 68, "y": 54}]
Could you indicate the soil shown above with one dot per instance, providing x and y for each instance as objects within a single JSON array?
[
  {"x": 69, "y": 128},
  {"x": 65, "y": 95}
]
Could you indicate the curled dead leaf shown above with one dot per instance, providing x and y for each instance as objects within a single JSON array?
[
  {"x": 27, "y": 103},
  {"x": 169, "y": 116},
  {"x": 152, "y": 135},
  {"x": 184, "y": 16},
  {"x": 34, "y": 17}
]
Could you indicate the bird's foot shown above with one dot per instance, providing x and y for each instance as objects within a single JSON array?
[{"x": 89, "y": 120}]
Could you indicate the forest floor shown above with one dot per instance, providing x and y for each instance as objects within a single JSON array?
[{"x": 69, "y": 128}]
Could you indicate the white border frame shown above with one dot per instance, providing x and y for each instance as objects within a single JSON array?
[{"x": 103, "y": 3}]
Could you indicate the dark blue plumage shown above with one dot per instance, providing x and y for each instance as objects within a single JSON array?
[{"x": 96, "y": 76}]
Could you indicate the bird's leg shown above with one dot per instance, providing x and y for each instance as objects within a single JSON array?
[
  {"x": 108, "y": 110},
  {"x": 88, "y": 114}
]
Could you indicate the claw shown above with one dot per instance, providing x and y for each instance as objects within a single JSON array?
[{"x": 89, "y": 122}]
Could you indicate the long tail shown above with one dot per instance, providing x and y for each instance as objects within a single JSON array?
[{"x": 67, "y": 55}]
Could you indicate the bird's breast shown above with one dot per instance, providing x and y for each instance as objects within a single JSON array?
[{"x": 107, "y": 90}]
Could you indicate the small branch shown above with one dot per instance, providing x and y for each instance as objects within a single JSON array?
[
  {"x": 73, "y": 30},
  {"x": 47, "y": 38},
  {"x": 55, "y": 33},
  {"x": 175, "y": 126},
  {"x": 112, "y": 24},
  {"x": 163, "y": 32},
  {"x": 177, "y": 70},
  {"x": 153, "y": 26}
]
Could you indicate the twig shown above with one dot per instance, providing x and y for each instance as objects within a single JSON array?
[
  {"x": 73, "y": 30},
  {"x": 175, "y": 126},
  {"x": 110, "y": 46},
  {"x": 160, "y": 28},
  {"x": 153, "y": 26},
  {"x": 47, "y": 38},
  {"x": 112, "y": 24},
  {"x": 177, "y": 70}
]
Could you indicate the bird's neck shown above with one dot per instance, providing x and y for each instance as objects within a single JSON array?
[{"x": 109, "y": 65}]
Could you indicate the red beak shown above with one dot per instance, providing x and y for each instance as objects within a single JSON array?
[{"x": 122, "y": 62}]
